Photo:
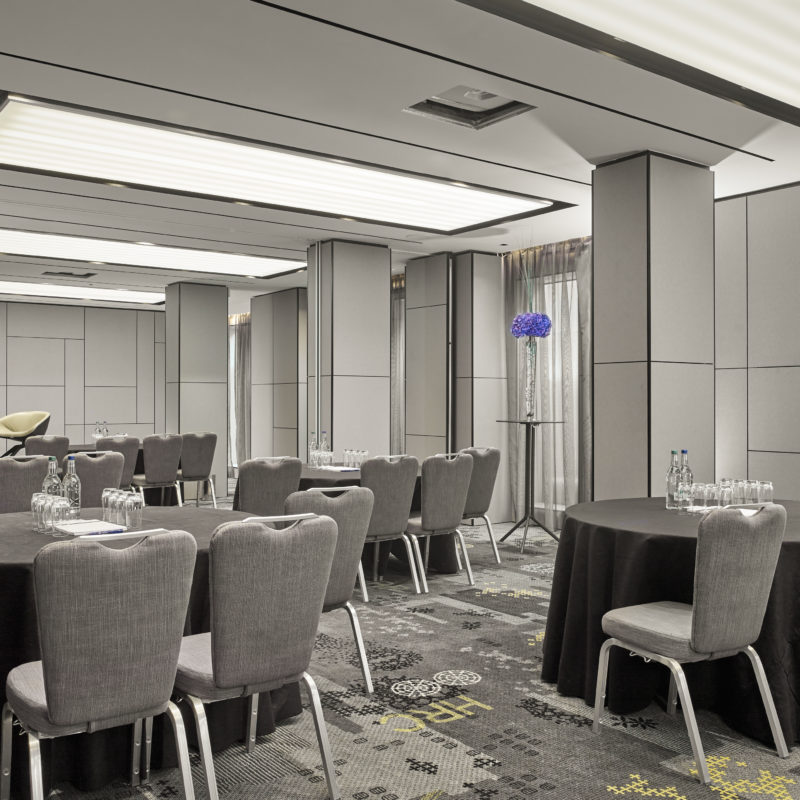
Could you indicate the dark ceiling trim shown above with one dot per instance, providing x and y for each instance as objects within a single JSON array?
[
  {"x": 304, "y": 120},
  {"x": 568, "y": 30},
  {"x": 495, "y": 74}
]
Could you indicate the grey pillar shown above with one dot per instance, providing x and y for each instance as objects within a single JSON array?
[
  {"x": 653, "y": 238},
  {"x": 278, "y": 373},
  {"x": 197, "y": 366},
  {"x": 349, "y": 309}
]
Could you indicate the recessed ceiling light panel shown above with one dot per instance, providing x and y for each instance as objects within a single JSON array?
[
  {"x": 47, "y": 137},
  {"x": 79, "y": 293}
]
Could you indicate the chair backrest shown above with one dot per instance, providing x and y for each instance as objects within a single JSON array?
[
  {"x": 264, "y": 485},
  {"x": 110, "y": 626},
  {"x": 162, "y": 454},
  {"x": 47, "y": 446},
  {"x": 445, "y": 483},
  {"x": 485, "y": 463},
  {"x": 197, "y": 455},
  {"x": 351, "y": 511},
  {"x": 734, "y": 567},
  {"x": 97, "y": 472},
  {"x": 20, "y": 478},
  {"x": 267, "y": 590},
  {"x": 129, "y": 447},
  {"x": 392, "y": 483}
]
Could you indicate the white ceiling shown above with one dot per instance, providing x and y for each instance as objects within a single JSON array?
[{"x": 305, "y": 80}]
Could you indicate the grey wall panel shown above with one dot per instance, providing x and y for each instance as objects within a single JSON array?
[
  {"x": 354, "y": 426},
  {"x": 681, "y": 262},
  {"x": 423, "y": 446},
  {"x": 145, "y": 366},
  {"x": 74, "y": 383},
  {"x": 620, "y": 261},
  {"x": 426, "y": 281},
  {"x": 171, "y": 408},
  {"x": 490, "y": 404},
  {"x": 773, "y": 284},
  {"x": 114, "y": 404},
  {"x": 730, "y": 283},
  {"x": 209, "y": 415},
  {"x": 284, "y": 336},
  {"x": 3, "y": 324},
  {"x": 160, "y": 399},
  {"x": 110, "y": 347},
  {"x": 35, "y": 362},
  {"x": 32, "y": 319},
  {"x": 463, "y": 413},
  {"x": 772, "y": 420},
  {"x": 681, "y": 416},
  {"x": 261, "y": 335},
  {"x": 261, "y": 421},
  {"x": 783, "y": 469},
  {"x": 284, "y": 405},
  {"x": 38, "y": 398},
  {"x": 326, "y": 307},
  {"x": 620, "y": 430},
  {"x": 731, "y": 423},
  {"x": 426, "y": 371},
  {"x": 285, "y": 442},
  {"x": 490, "y": 328},
  {"x": 463, "y": 342},
  {"x": 76, "y": 434},
  {"x": 203, "y": 333},
  {"x": 361, "y": 309},
  {"x": 160, "y": 329},
  {"x": 172, "y": 317}
]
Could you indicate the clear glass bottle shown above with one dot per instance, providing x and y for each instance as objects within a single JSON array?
[
  {"x": 52, "y": 483},
  {"x": 71, "y": 488},
  {"x": 312, "y": 449},
  {"x": 673, "y": 476},
  {"x": 686, "y": 478},
  {"x": 104, "y": 429}
]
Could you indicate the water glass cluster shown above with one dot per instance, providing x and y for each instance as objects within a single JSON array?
[
  {"x": 319, "y": 456},
  {"x": 698, "y": 498},
  {"x": 48, "y": 511},
  {"x": 100, "y": 430},
  {"x": 122, "y": 508},
  {"x": 354, "y": 458}
]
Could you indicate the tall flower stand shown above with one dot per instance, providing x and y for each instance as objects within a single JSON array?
[{"x": 530, "y": 473}]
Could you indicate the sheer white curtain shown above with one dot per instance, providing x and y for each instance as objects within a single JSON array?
[
  {"x": 238, "y": 389},
  {"x": 553, "y": 279}
]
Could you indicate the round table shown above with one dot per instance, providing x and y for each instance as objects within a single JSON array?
[
  {"x": 616, "y": 553},
  {"x": 90, "y": 761}
]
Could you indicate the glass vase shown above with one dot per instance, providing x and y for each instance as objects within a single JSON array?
[{"x": 530, "y": 378}]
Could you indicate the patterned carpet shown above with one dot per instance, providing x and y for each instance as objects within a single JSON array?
[{"x": 459, "y": 711}]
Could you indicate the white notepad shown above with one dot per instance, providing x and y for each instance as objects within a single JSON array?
[{"x": 80, "y": 527}]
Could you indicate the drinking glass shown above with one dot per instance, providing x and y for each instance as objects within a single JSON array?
[
  {"x": 698, "y": 498},
  {"x": 766, "y": 492},
  {"x": 726, "y": 495},
  {"x": 751, "y": 491},
  {"x": 737, "y": 492},
  {"x": 59, "y": 512},
  {"x": 133, "y": 510},
  {"x": 683, "y": 496},
  {"x": 37, "y": 504},
  {"x": 116, "y": 507},
  {"x": 105, "y": 502}
]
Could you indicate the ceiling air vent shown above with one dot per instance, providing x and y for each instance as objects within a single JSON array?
[
  {"x": 470, "y": 108},
  {"x": 67, "y": 274}
]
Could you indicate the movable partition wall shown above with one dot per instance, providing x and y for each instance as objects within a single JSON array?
[
  {"x": 349, "y": 356},
  {"x": 653, "y": 240},
  {"x": 197, "y": 367},
  {"x": 278, "y": 374}
]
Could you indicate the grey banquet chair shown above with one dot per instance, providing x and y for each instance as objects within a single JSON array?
[
  {"x": 445, "y": 483},
  {"x": 350, "y": 507},
  {"x": 264, "y": 618},
  {"x": 737, "y": 552},
  {"x": 97, "y": 471},
  {"x": 265, "y": 483},
  {"x": 129, "y": 447},
  {"x": 392, "y": 481},
  {"x": 20, "y": 478},
  {"x": 485, "y": 463},
  {"x": 197, "y": 457},
  {"x": 162, "y": 455},
  {"x": 110, "y": 625},
  {"x": 47, "y": 446}
]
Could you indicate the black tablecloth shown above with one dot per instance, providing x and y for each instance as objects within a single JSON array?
[
  {"x": 617, "y": 553},
  {"x": 92, "y": 760}
]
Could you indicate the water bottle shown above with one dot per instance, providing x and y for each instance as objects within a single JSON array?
[
  {"x": 325, "y": 450},
  {"x": 104, "y": 429},
  {"x": 52, "y": 483},
  {"x": 686, "y": 478},
  {"x": 673, "y": 477},
  {"x": 71, "y": 488},
  {"x": 312, "y": 449}
]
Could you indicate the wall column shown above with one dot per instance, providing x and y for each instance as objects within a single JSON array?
[
  {"x": 653, "y": 239},
  {"x": 197, "y": 367}
]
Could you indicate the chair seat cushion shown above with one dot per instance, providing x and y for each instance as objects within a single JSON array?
[
  {"x": 415, "y": 528},
  {"x": 141, "y": 480},
  {"x": 196, "y": 673},
  {"x": 663, "y": 628}
]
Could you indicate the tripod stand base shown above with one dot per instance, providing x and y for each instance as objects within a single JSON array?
[{"x": 527, "y": 521}]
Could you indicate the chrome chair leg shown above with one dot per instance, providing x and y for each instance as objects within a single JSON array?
[
  {"x": 322, "y": 737},
  {"x": 491, "y": 538},
  {"x": 427, "y": 552},
  {"x": 767, "y": 700},
  {"x": 458, "y": 554},
  {"x": 252, "y": 722},
  {"x": 411, "y": 562},
  {"x": 178, "y": 493},
  {"x": 467, "y": 565},
  {"x": 204, "y": 745},
  {"x": 35, "y": 761},
  {"x": 362, "y": 583},
  {"x": 136, "y": 753},
  {"x": 376, "y": 554},
  {"x": 600, "y": 687},
  {"x": 141, "y": 492},
  {"x": 362, "y": 650},
  {"x": 197, "y": 494},
  {"x": 213, "y": 491},
  {"x": 688, "y": 716},
  {"x": 672, "y": 697},
  {"x": 420, "y": 564},
  {"x": 6, "y": 732},
  {"x": 182, "y": 747},
  {"x": 148, "y": 748}
]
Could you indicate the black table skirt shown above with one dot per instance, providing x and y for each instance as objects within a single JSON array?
[
  {"x": 91, "y": 761},
  {"x": 617, "y": 553}
]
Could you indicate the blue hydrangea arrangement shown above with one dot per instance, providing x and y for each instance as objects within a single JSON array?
[{"x": 531, "y": 324}]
